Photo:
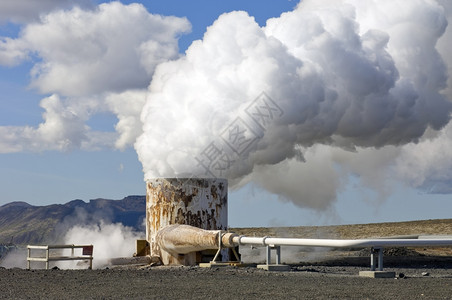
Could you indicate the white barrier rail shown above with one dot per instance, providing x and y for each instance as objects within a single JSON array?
[{"x": 87, "y": 254}]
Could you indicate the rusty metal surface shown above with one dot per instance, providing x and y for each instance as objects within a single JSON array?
[{"x": 197, "y": 202}]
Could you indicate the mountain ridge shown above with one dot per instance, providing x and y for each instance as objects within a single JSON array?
[{"x": 22, "y": 223}]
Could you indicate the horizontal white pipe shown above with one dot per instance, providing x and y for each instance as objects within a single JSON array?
[{"x": 268, "y": 241}]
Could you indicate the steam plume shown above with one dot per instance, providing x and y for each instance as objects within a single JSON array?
[{"x": 345, "y": 74}]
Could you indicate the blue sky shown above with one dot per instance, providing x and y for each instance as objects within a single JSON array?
[{"x": 366, "y": 141}]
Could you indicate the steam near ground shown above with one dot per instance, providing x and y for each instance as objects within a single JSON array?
[
  {"x": 110, "y": 240},
  {"x": 289, "y": 255},
  {"x": 16, "y": 258}
]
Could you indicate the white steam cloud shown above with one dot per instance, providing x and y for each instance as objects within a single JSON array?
[
  {"x": 109, "y": 241},
  {"x": 344, "y": 74},
  {"x": 328, "y": 90}
]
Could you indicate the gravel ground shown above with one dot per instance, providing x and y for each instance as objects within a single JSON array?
[
  {"x": 320, "y": 274},
  {"x": 337, "y": 279}
]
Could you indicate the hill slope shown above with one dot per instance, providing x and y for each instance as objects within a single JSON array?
[
  {"x": 22, "y": 223},
  {"x": 356, "y": 231}
]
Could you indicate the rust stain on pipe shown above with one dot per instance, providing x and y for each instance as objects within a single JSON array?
[{"x": 190, "y": 201}]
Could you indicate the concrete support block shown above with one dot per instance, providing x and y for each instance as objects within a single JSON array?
[
  {"x": 377, "y": 274},
  {"x": 278, "y": 268},
  {"x": 223, "y": 264}
]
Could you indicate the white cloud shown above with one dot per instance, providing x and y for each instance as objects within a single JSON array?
[
  {"x": 24, "y": 11},
  {"x": 90, "y": 60},
  {"x": 63, "y": 129},
  {"x": 12, "y": 52},
  {"x": 64, "y": 124},
  {"x": 112, "y": 48}
]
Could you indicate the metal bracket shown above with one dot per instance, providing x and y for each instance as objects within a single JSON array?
[
  {"x": 269, "y": 254},
  {"x": 379, "y": 251},
  {"x": 220, "y": 247}
]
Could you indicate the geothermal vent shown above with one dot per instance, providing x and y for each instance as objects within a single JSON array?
[{"x": 197, "y": 202}]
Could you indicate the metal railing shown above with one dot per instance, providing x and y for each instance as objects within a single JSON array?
[{"x": 87, "y": 254}]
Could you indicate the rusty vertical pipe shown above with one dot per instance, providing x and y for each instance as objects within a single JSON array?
[{"x": 197, "y": 202}]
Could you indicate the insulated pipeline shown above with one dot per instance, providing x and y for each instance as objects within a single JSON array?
[
  {"x": 183, "y": 239},
  {"x": 334, "y": 243}
]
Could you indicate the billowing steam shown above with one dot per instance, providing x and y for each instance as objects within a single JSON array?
[
  {"x": 346, "y": 75},
  {"x": 109, "y": 241}
]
